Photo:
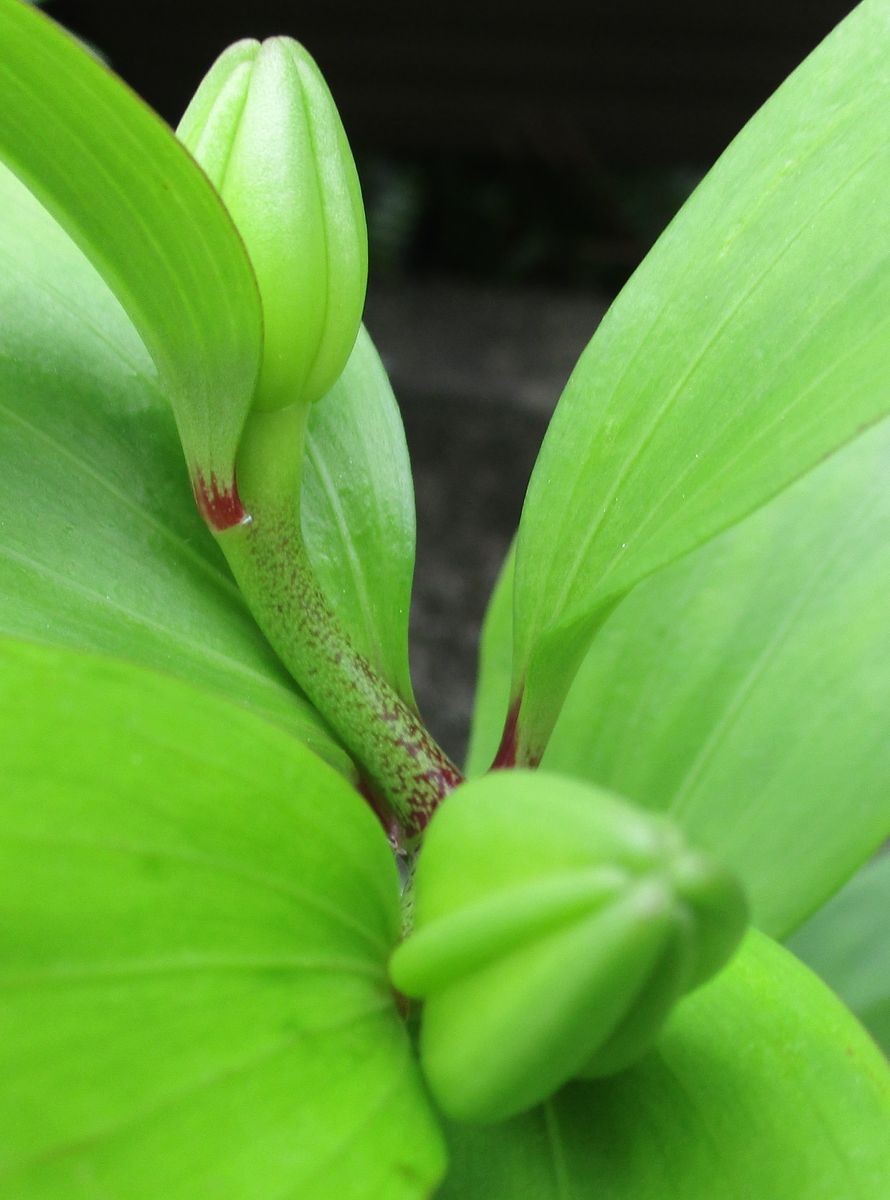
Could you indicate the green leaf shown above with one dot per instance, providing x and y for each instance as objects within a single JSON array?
[
  {"x": 848, "y": 944},
  {"x": 750, "y": 344},
  {"x": 193, "y": 993},
  {"x": 100, "y": 543},
  {"x": 763, "y": 1086},
  {"x": 745, "y": 690},
  {"x": 495, "y": 663},
  {"x": 130, "y": 195},
  {"x": 358, "y": 511}
]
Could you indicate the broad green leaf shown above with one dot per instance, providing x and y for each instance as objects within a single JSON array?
[
  {"x": 100, "y": 543},
  {"x": 130, "y": 195},
  {"x": 193, "y": 991},
  {"x": 745, "y": 690},
  {"x": 358, "y": 511},
  {"x": 751, "y": 343},
  {"x": 848, "y": 943},
  {"x": 125, "y": 189},
  {"x": 763, "y": 1087}
]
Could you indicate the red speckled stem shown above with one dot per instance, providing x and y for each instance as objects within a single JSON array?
[{"x": 402, "y": 762}]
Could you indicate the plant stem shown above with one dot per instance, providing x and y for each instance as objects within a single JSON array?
[{"x": 400, "y": 760}]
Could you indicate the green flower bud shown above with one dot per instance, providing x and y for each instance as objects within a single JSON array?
[
  {"x": 555, "y": 928},
  {"x": 264, "y": 127}
]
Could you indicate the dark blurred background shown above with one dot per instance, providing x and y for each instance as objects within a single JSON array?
[
  {"x": 544, "y": 140},
  {"x": 517, "y": 162}
]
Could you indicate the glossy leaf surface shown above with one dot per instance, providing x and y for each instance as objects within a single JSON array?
[
  {"x": 751, "y": 343},
  {"x": 125, "y": 189},
  {"x": 763, "y": 1085},
  {"x": 198, "y": 914},
  {"x": 358, "y": 511},
  {"x": 745, "y": 689},
  {"x": 100, "y": 543},
  {"x": 847, "y": 943}
]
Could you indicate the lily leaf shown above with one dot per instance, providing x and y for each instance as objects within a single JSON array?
[
  {"x": 493, "y": 678},
  {"x": 358, "y": 511},
  {"x": 745, "y": 689},
  {"x": 193, "y": 991},
  {"x": 848, "y": 943},
  {"x": 750, "y": 344},
  {"x": 131, "y": 196},
  {"x": 763, "y": 1085},
  {"x": 100, "y": 543}
]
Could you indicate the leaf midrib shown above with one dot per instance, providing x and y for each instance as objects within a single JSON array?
[
  {"x": 570, "y": 576},
  {"x": 75, "y": 974}
]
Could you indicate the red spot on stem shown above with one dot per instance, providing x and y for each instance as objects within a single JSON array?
[{"x": 219, "y": 505}]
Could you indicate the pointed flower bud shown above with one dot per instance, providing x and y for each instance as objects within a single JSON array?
[
  {"x": 264, "y": 127},
  {"x": 556, "y": 926}
]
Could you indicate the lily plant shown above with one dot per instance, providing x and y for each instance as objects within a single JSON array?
[{"x": 261, "y": 937}]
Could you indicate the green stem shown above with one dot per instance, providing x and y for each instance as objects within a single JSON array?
[{"x": 401, "y": 761}]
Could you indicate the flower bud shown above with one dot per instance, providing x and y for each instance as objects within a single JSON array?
[
  {"x": 555, "y": 928},
  {"x": 266, "y": 131}
]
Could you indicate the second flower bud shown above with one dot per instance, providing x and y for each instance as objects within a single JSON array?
[{"x": 556, "y": 928}]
